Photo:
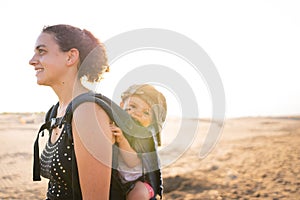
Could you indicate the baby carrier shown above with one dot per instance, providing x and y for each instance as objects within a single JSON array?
[{"x": 139, "y": 137}]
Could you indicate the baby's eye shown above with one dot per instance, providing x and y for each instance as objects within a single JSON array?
[
  {"x": 146, "y": 113},
  {"x": 127, "y": 109}
]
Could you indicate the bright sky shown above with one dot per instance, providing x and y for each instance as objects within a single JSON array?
[{"x": 255, "y": 46}]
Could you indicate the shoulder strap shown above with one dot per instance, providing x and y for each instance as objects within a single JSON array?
[
  {"x": 115, "y": 113},
  {"x": 36, "y": 155}
]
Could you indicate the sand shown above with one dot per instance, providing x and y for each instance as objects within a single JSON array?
[{"x": 254, "y": 158}]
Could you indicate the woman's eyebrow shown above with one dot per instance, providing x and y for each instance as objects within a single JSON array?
[{"x": 39, "y": 46}]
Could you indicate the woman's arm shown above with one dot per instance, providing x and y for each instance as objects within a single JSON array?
[
  {"x": 128, "y": 154},
  {"x": 93, "y": 150}
]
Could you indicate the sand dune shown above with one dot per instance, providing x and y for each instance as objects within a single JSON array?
[{"x": 254, "y": 158}]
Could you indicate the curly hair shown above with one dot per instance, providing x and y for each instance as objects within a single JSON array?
[{"x": 92, "y": 53}]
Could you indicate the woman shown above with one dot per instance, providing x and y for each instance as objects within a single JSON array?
[{"x": 63, "y": 55}]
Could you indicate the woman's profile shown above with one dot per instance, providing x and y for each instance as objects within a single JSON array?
[{"x": 61, "y": 59}]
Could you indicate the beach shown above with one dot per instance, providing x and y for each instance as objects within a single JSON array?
[{"x": 254, "y": 158}]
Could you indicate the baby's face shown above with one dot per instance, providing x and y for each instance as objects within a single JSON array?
[{"x": 138, "y": 109}]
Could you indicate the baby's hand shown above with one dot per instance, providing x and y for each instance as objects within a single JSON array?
[{"x": 117, "y": 133}]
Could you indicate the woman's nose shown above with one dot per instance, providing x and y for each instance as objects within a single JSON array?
[{"x": 33, "y": 61}]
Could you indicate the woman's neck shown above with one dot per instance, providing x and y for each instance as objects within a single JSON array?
[{"x": 67, "y": 91}]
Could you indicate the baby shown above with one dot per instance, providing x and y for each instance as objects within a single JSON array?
[{"x": 147, "y": 106}]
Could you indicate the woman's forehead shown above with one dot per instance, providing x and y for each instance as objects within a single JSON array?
[{"x": 45, "y": 39}]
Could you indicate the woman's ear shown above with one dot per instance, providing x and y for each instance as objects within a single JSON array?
[{"x": 72, "y": 57}]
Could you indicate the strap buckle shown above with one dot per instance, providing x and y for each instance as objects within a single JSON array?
[{"x": 55, "y": 122}]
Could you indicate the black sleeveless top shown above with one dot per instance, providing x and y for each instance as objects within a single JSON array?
[
  {"x": 56, "y": 165},
  {"x": 57, "y": 162}
]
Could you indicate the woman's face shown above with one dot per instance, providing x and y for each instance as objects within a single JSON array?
[
  {"x": 48, "y": 60},
  {"x": 138, "y": 109}
]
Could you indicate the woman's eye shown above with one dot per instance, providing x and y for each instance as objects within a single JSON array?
[{"x": 41, "y": 51}]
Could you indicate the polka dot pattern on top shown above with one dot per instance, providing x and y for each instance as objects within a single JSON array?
[{"x": 56, "y": 162}]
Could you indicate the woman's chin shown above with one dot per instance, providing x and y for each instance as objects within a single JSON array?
[{"x": 40, "y": 82}]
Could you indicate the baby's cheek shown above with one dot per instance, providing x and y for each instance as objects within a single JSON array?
[{"x": 145, "y": 122}]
